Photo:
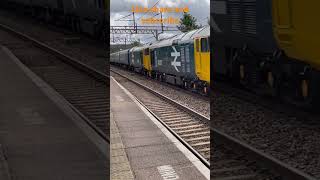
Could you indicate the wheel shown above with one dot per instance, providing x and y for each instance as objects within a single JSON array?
[
  {"x": 205, "y": 90},
  {"x": 242, "y": 73},
  {"x": 194, "y": 86},
  {"x": 307, "y": 89},
  {"x": 163, "y": 77},
  {"x": 185, "y": 85},
  {"x": 249, "y": 73},
  {"x": 273, "y": 83}
]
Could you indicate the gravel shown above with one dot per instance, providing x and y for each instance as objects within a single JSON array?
[
  {"x": 226, "y": 165},
  {"x": 289, "y": 139}
]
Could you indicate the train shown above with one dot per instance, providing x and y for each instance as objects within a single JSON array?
[
  {"x": 89, "y": 17},
  {"x": 182, "y": 60},
  {"x": 269, "y": 47}
]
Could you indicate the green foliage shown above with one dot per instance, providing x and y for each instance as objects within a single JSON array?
[
  {"x": 136, "y": 43},
  {"x": 187, "y": 23}
]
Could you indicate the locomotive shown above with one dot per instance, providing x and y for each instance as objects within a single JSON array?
[
  {"x": 268, "y": 46},
  {"x": 90, "y": 17},
  {"x": 182, "y": 60}
]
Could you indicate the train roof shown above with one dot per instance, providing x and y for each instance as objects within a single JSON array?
[
  {"x": 183, "y": 37},
  {"x": 186, "y": 37},
  {"x": 124, "y": 51},
  {"x": 165, "y": 42},
  {"x": 138, "y": 48}
]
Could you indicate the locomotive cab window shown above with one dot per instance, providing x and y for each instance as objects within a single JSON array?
[
  {"x": 204, "y": 45},
  {"x": 197, "y": 45},
  {"x": 146, "y": 52}
]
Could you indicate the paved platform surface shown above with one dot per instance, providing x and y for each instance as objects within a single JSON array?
[
  {"x": 120, "y": 166},
  {"x": 41, "y": 141},
  {"x": 149, "y": 153}
]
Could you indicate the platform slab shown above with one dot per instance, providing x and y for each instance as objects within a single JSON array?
[
  {"x": 120, "y": 166},
  {"x": 41, "y": 141}
]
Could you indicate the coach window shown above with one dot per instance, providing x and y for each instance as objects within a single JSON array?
[
  {"x": 197, "y": 45},
  {"x": 146, "y": 52},
  {"x": 204, "y": 45}
]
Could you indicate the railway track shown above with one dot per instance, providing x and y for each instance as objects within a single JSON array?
[
  {"x": 200, "y": 104},
  {"x": 262, "y": 165},
  {"x": 238, "y": 160},
  {"x": 190, "y": 127},
  {"x": 275, "y": 105},
  {"x": 84, "y": 87},
  {"x": 230, "y": 165},
  {"x": 204, "y": 97}
]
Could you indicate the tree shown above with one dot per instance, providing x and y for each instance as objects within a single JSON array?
[
  {"x": 187, "y": 23},
  {"x": 136, "y": 43}
]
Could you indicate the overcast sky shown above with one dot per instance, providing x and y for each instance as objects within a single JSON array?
[{"x": 200, "y": 9}]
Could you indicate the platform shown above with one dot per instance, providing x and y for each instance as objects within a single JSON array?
[
  {"x": 149, "y": 150},
  {"x": 42, "y": 137}
]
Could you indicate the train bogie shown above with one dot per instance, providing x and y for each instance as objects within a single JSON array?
[
  {"x": 297, "y": 36},
  {"x": 245, "y": 47}
]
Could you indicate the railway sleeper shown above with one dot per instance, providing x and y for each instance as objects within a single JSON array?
[
  {"x": 196, "y": 134},
  {"x": 174, "y": 120},
  {"x": 165, "y": 115},
  {"x": 187, "y": 127},
  {"x": 182, "y": 124},
  {"x": 200, "y": 138},
  {"x": 195, "y": 130}
]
